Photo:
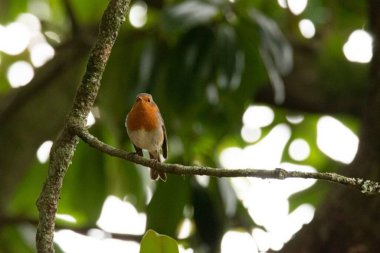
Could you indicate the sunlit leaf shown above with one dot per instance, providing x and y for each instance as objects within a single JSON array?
[{"x": 157, "y": 243}]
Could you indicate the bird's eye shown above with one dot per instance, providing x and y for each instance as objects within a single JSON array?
[{"x": 148, "y": 100}]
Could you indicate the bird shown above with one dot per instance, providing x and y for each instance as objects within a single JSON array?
[{"x": 146, "y": 130}]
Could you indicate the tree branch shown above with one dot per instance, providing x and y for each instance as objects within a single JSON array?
[
  {"x": 365, "y": 186},
  {"x": 64, "y": 147},
  {"x": 84, "y": 230}
]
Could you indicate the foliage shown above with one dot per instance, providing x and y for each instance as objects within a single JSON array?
[
  {"x": 204, "y": 62},
  {"x": 153, "y": 242}
]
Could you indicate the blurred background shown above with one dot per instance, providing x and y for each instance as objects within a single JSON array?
[{"x": 240, "y": 84}]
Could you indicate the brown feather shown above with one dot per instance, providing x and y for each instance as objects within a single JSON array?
[{"x": 164, "y": 143}]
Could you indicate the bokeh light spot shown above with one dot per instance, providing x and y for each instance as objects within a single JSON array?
[
  {"x": 294, "y": 118},
  {"x": 119, "y": 216},
  {"x": 138, "y": 14},
  {"x": 70, "y": 241},
  {"x": 30, "y": 21},
  {"x": 299, "y": 150},
  {"x": 282, "y": 3},
  {"x": 250, "y": 134},
  {"x": 262, "y": 239},
  {"x": 43, "y": 151},
  {"x": 258, "y": 116},
  {"x": 307, "y": 28},
  {"x": 185, "y": 229},
  {"x": 297, "y": 6},
  {"x": 66, "y": 217},
  {"x": 336, "y": 140},
  {"x": 182, "y": 249},
  {"x": 230, "y": 157},
  {"x": 234, "y": 241},
  {"x": 358, "y": 47},
  {"x": 40, "y": 53},
  {"x": 20, "y": 73},
  {"x": 15, "y": 38},
  {"x": 90, "y": 120},
  {"x": 53, "y": 36}
]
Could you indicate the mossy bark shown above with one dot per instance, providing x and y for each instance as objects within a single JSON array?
[{"x": 64, "y": 146}]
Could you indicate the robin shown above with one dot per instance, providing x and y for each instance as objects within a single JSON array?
[{"x": 146, "y": 129}]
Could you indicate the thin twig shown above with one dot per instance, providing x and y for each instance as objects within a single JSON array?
[
  {"x": 84, "y": 230},
  {"x": 365, "y": 186}
]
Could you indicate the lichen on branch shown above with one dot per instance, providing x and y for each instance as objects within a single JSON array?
[
  {"x": 365, "y": 186},
  {"x": 64, "y": 146}
]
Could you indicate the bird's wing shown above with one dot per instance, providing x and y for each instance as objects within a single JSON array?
[{"x": 164, "y": 143}]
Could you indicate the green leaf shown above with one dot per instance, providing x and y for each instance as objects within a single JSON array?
[
  {"x": 190, "y": 73},
  {"x": 274, "y": 41},
  {"x": 157, "y": 243},
  {"x": 188, "y": 14},
  {"x": 227, "y": 52},
  {"x": 165, "y": 210}
]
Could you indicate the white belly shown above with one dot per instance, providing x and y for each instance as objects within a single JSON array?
[{"x": 151, "y": 141}]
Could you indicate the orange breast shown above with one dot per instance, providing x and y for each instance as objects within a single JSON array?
[{"x": 143, "y": 116}]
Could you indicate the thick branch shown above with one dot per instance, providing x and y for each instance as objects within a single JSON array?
[
  {"x": 64, "y": 147},
  {"x": 365, "y": 186}
]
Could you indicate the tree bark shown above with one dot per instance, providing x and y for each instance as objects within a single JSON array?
[{"x": 64, "y": 147}]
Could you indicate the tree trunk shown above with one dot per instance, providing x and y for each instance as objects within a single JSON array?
[{"x": 348, "y": 221}]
